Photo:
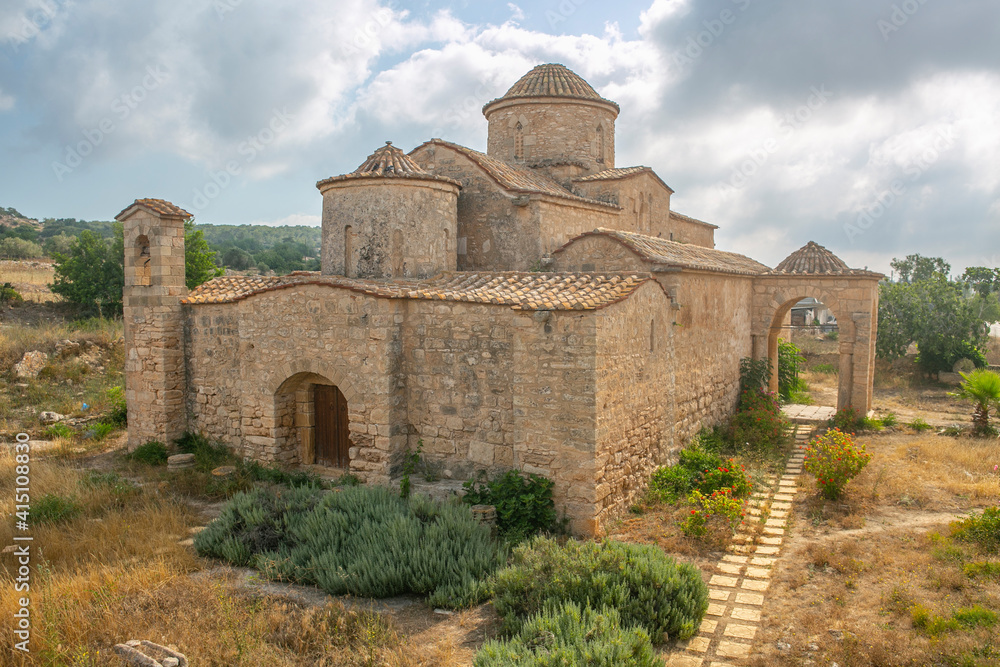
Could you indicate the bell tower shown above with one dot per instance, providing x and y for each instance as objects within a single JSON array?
[{"x": 154, "y": 324}]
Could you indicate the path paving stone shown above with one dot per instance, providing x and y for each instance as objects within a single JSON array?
[{"x": 732, "y": 621}]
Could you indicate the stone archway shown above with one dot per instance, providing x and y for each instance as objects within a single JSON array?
[
  {"x": 295, "y": 419},
  {"x": 852, "y": 294}
]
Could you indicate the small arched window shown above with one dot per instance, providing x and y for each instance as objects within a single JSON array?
[
  {"x": 652, "y": 335},
  {"x": 601, "y": 147},
  {"x": 348, "y": 249},
  {"x": 143, "y": 257},
  {"x": 518, "y": 141}
]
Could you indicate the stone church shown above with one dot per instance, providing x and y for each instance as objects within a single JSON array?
[{"x": 533, "y": 307}]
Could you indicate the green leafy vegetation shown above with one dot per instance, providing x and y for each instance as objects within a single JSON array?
[
  {"x": 834, "y": 458},
  {"x": 15, "y": 248},
  {"x": 647, "y": 588},
  {"x": 9, "y": 295},
  {"x": 963, "y": 618},
  {"x": 982, "y": 388},
  {"x": 52, "y": 509},
  {"x": 828, "y": 369},
  {"x": 60, "y": 431},
  {"x": 919, "y": 425},
  {"x": 151, "y": 453},
  {"x": 360, "y": 541},
  {"x": 91, "y": 274},
  {"x": 790, "y": 364},
  {"x": 199, "y": 259},
  {"x": 571, "y": 635},
  {"x": 523, "y": 502},
  {"x": 982, "y": 529},
  {"x": 698, "y": 469},
  {"x": 947, "y": 319}
]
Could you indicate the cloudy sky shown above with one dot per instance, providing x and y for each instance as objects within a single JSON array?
[{"x": 869, "y": 126}]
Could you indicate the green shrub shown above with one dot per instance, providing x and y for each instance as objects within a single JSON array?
[
  {"x": 670, "y": 483},
  {"x": 524, "y": 503},
  {"x": 755, "y": 374},
  {"x": 118, "y": 415},
  {"x": 60, "y": 431},
  {"x": 261, "y": 473},
  {"x": 758, "y": 429},
  {"x": 207, "y": 456},
  {"x": 100, "y": 431},
  {"x": 919, "y": 425},
  {"x": 359, "y": 540},
  {"x": 983, "y": 530},
  {"x": 889, "y": 420},
  {"x": 720, "y": 506},
  {"x": 967, "y": 618},
  {"x": 9, "y": 295},
  {"x": 826, "y": 369},
  {"x": 848, "y": 420},
  {"x": 871, "y": 424},
  {"x": 52, "y": 508},
  {"x": 569, "y": 635},
  {"x": 152, "y": 453},
  {"x": 119, "y": 489},
  {"x": 833, "y": 335},
  {"x": 790, "y": 362},
  {"x": 712, "y": 440},
  {"x": 835, "y": 459},
  {"x": 730, "y": 476},
  {"x": 648, "y": 588}
]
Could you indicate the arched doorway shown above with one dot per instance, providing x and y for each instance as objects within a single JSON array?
[
  {"x": 786, "y": 321},
  {"x": 312, "y": 423}
]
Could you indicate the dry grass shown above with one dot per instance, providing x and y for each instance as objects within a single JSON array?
[
  {"x": 30, "y": 278},
  {"x": 858, "y": 570},
  {"x": 118, "y": 571}
]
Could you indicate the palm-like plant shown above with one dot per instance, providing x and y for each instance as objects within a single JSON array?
[{"x": 982, "y": 387}]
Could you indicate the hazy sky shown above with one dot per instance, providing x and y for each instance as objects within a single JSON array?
[{"x": 869, "y": 126}]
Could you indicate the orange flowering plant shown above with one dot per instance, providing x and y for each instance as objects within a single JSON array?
[
  {"x": 834, "y": 458},
  {"x": 720, "y": 503}
]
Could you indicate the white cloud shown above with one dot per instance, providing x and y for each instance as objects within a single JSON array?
[
  {"x": 6, "y": 101},
  {"x": 516, "y": 13}
]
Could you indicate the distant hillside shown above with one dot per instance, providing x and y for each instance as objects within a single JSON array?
[
  {"x": 11, "y": 218},
  {"x": 239, "y": 247}
]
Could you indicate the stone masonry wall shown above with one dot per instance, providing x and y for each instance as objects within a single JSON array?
[
  {"x": 154, "y": 351},
  {"x": 635, "y": 398},
  {"x": 398, "y": 227},
  {"x": 711, "y": 336},
  {"x": 644, "y": 201},
  {"x": 690, "y": 232},
  {"x": 553, "y": 129}
]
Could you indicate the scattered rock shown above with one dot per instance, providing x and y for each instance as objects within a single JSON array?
[
  {"x": 196, "y": 529},
  {"x": 147, "y": 654},
  {"x": 30, "y": 365},
  {"x": 444, "y": 612},
  {"x": 813, "y": 647},
  {"x": 9, "y": 549},
  {"x": 836, "y": 634},
  {"x": 49, "y": 417},
  {"x": 180, "y": 461},
  {"x": 189, "y": 542},
  {"x": 783, "y": 646},
  {"x": 223, "y": 471}
]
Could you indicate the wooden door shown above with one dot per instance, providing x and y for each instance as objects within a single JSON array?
[{"x": 332, "y": 436}]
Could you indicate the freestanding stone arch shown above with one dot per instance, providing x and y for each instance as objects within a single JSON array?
[{"x": 852, "y": 294}]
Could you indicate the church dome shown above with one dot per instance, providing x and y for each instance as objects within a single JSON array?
[
  {"x": 387, "y": 162},
  {"x": 812, "y": 258},
  {"x": 551, "y": 80}
]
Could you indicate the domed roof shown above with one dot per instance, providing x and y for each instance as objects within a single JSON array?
[
  {"x": 388, "y": 162},
  {"x": 552, "y": 80},
  {"x": 812, "y": 258}
]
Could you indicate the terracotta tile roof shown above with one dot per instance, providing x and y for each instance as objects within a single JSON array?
[
  {"x": 388, "y": 162},
  {"x": 814, "y": 259},
  {"x": 619, "y": 173},
  {"x": 158, "y": 206},
  {"x": 516, "y": 179},
  {"x": 686, "y": 218},
  {"x": 551, "y": 80},
  {"x": 520, "y": 291},
  {"x": 681, "y": 255}
]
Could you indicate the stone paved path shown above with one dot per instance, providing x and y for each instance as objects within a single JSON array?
[
  {"x": 808, "y": 414},
  {"x": 738, "y": 587}
]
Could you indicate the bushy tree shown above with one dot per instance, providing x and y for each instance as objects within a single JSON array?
[
  {"x": 92, "y": 274},
  {"x": 13, "y": 247},
  {"x": 199, "y": 259},
  {"x": 947, "y": 319}
]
